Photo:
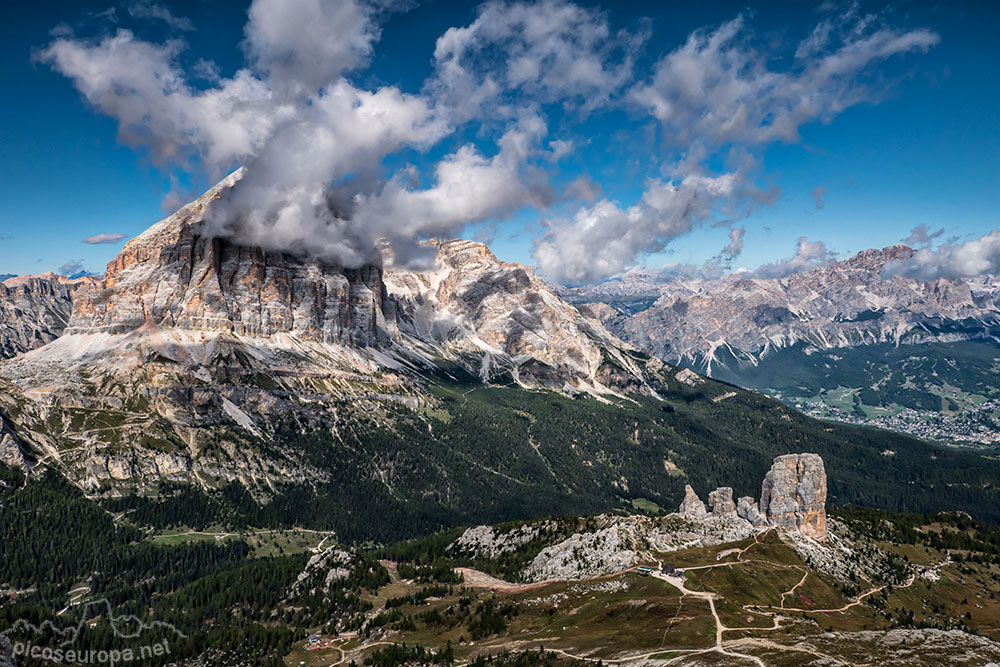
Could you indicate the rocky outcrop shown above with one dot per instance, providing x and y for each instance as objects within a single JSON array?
[
  {"x": 746, "y": 509},
  {"x": 720, "y": 501},
  {"x": 793, "y": 498},
  {"x": 692, "y": 507},
  {"x": 793, "y": 495},
  {"x": 34, "y": 310},
  {"x": 12, "y": 450}
]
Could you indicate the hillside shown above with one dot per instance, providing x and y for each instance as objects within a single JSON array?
[
  {"x": 901, "y": 589},
  {"x": 235, "y": 386},
  {"x": 830, "y": 340}
]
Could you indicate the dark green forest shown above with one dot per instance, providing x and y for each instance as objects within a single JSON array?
[{"x": 488, "y": 454}]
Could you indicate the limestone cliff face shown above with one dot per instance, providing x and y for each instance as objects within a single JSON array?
[
  {"x": 172, "y": 275},
  {"x": 34, "y": 310},
  {"x": 793, "y": 495},
  {"x": 720, "y": 501},
  {"x": 473, "y": 306},
  {"x": 490, "y": 316}
]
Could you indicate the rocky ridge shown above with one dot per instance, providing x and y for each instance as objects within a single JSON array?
[
  {"x": 738, "y": 319},
  {"x": 795, "y": 493},
  {"x": 34, "y": 310}
]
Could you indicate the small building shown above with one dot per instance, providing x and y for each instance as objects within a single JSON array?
[
  {"x": 644, "y": 571},
  {"x": 668, "y": 569}
]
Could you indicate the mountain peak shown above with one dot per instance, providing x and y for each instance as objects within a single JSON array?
[{"x": 876, "y": 258}]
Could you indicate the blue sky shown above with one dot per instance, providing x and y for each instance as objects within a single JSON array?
[{"x": 920, "y": 147}]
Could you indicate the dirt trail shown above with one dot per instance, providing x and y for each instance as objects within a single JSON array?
[
  {"x": 678, "y": 583},
  {"x": 477, "y": 579}
]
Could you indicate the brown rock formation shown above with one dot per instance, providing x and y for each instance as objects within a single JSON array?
[
  {"x": 692, "y": 507},
  {"x": 793, "y": 495},
  {"x": 746, "y": 508},
  {"x": 720, "y": 501}
]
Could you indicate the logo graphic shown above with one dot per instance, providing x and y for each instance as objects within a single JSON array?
[{"x": 48, "y": 642}]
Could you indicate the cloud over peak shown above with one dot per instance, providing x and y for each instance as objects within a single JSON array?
[
  {"x": 954, "y": 261},
  {"x": 332, "y": 166}
]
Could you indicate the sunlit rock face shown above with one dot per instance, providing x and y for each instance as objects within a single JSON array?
[
  {"x": 720, "y": 501},
  {"x": 34, "y": 310},
  {"x": 793, "y": 498},
  {"x": 172, "y": 275},
  {"x": 692, "y": 507},
  {"x": 793, "y": 495},
  {"x": 473, "y": 305}
]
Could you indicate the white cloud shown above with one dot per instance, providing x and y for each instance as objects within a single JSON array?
[
  {"x": 104, "y": 238},
  {"x": 299, "y": 46},
  {"x": 71, "y": 268},
  {"x": 718, "y": 89},
  {"x": 955, "y": 261},
  {"x": 155, "y": 11},
  {"x": 551, "y": 50},
  {"x": 315, "y": 143},
  {"x": 604, "y": 239},
  {"x": 808, "y": 255},
  {"x": 468, "y": 188},
  {"x": 735, "y": 247}
]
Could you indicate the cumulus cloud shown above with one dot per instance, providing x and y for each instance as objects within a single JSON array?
[
  {"x": 604, "y": 239},
  {"x": 955, "y": 261},
  {"x": 817, "y": 196},
  {"x": 551, "y": 50},
  {"x": 808, "y": 255},
  {"x": 104, "y": 238},
  {"x": 303, "y": 45},
  {"x": 72, "y": 268},
  {"x": 921, "y": 236},
  {"x": 718, "y": 89},
  {"x": 315, "y": 143}
]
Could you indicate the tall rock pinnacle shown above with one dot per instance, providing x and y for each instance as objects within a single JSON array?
[{"x": 793, "y": 495}]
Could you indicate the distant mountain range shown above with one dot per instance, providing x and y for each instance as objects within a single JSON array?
[
  {"x": 845, "y": 341},
  {"x": 382, "y": 401}
]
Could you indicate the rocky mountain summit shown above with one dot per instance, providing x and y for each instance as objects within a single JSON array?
[
  {"x": 739, "y": 319},
  {"x": 174, "y": 277},
  {"x": 499, "y": 317},
  {"x": 489, "y": 316},
  {"x": 792, "y": 497},
  {"x": 187, "y": 333}
]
